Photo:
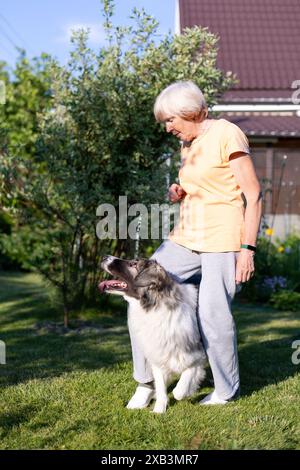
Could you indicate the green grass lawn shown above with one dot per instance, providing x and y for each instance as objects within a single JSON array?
[{"x": 69, "y": 391}]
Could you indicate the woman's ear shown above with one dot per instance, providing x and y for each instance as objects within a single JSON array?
[
  {"x": 204, "y": 113},
  {"x": 200, "y": 116}
]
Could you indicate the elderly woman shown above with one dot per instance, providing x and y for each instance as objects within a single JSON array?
[{"x": 220, "y": 213}]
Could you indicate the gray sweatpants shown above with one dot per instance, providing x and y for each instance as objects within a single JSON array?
[{"x": 216, "y": 291}]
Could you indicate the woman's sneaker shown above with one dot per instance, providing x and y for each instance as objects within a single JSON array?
[
  {"x": 142, "y": 397},
  {"x": 213, "y": 399}
]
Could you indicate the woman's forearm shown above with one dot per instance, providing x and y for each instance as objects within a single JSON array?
[{"x": 252, "y": 219}]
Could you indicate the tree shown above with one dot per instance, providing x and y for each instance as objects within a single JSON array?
[
  {"x": 98, "y": 141},
  {"x": 26, "y": 94}
]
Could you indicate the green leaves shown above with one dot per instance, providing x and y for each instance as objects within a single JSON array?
[{"x": 90, "y": 136}]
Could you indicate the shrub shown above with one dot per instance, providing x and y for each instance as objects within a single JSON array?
[
  {"x": 288, "y": 259},
  {"x": 286, "y": 300},
  {"x": 276, "y": 268}
]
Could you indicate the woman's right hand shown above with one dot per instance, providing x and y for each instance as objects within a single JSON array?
[{"x": 176, "y": 193}]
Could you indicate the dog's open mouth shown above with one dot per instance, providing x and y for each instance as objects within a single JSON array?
[{"x": 113, "y": 284}]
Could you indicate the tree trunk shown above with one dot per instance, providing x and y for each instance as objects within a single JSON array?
[{"x": 66, "y": 316}]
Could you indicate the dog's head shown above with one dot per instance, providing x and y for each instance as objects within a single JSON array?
[{"x": 142, "y": 279}]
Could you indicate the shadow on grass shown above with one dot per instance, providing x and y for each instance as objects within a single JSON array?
[
  {"x": 265, "y": 362},
  {"x": 49, "y": 355},
  {"x": 31, "y": 354},
  {"x": 15, "y": 418}
]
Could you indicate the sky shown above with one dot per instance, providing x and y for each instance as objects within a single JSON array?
[{"x": 45, "y": 25}]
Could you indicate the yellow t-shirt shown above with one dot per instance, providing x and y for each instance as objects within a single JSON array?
[{"x": 212, "y": 213}]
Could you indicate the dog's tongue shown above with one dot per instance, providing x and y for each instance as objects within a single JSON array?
[{"x": 104, "y": 285}]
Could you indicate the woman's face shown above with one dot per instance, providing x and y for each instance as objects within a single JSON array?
[{"x": 181, "y": 128}]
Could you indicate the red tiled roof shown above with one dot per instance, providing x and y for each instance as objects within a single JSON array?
[
  {"x": 267, "y": 126},
  {"x": 262, "y": 96},
  {"x": 259, "y": 39}
]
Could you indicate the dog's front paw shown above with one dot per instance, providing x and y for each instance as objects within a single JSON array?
[
  {"x": 160, "y": 406},
  {"x": 179, "y": 393},
  {"x": 141, "y": 399}
]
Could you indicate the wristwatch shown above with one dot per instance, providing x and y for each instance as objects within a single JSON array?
[{"x": 249, "y": 247}]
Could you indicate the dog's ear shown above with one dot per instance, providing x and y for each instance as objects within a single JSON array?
[
  {"x": 153, "y": 277},
  {"x": 144, "y": 280}
]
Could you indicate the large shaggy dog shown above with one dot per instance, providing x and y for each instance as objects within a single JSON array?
[{"x": 162, "y": 316}]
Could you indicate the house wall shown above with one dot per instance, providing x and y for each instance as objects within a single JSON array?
[
  {"x": 283, "y": 225},
  {"x": 278, "y": 168}
]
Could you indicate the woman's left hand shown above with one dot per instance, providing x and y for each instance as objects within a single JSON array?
[{"x": 244, "y": 266}]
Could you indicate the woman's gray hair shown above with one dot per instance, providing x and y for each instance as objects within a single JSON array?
[{"x": 184, "y": 99}]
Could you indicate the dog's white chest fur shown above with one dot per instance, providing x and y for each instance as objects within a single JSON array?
[{"x": 169, "y": 338}]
